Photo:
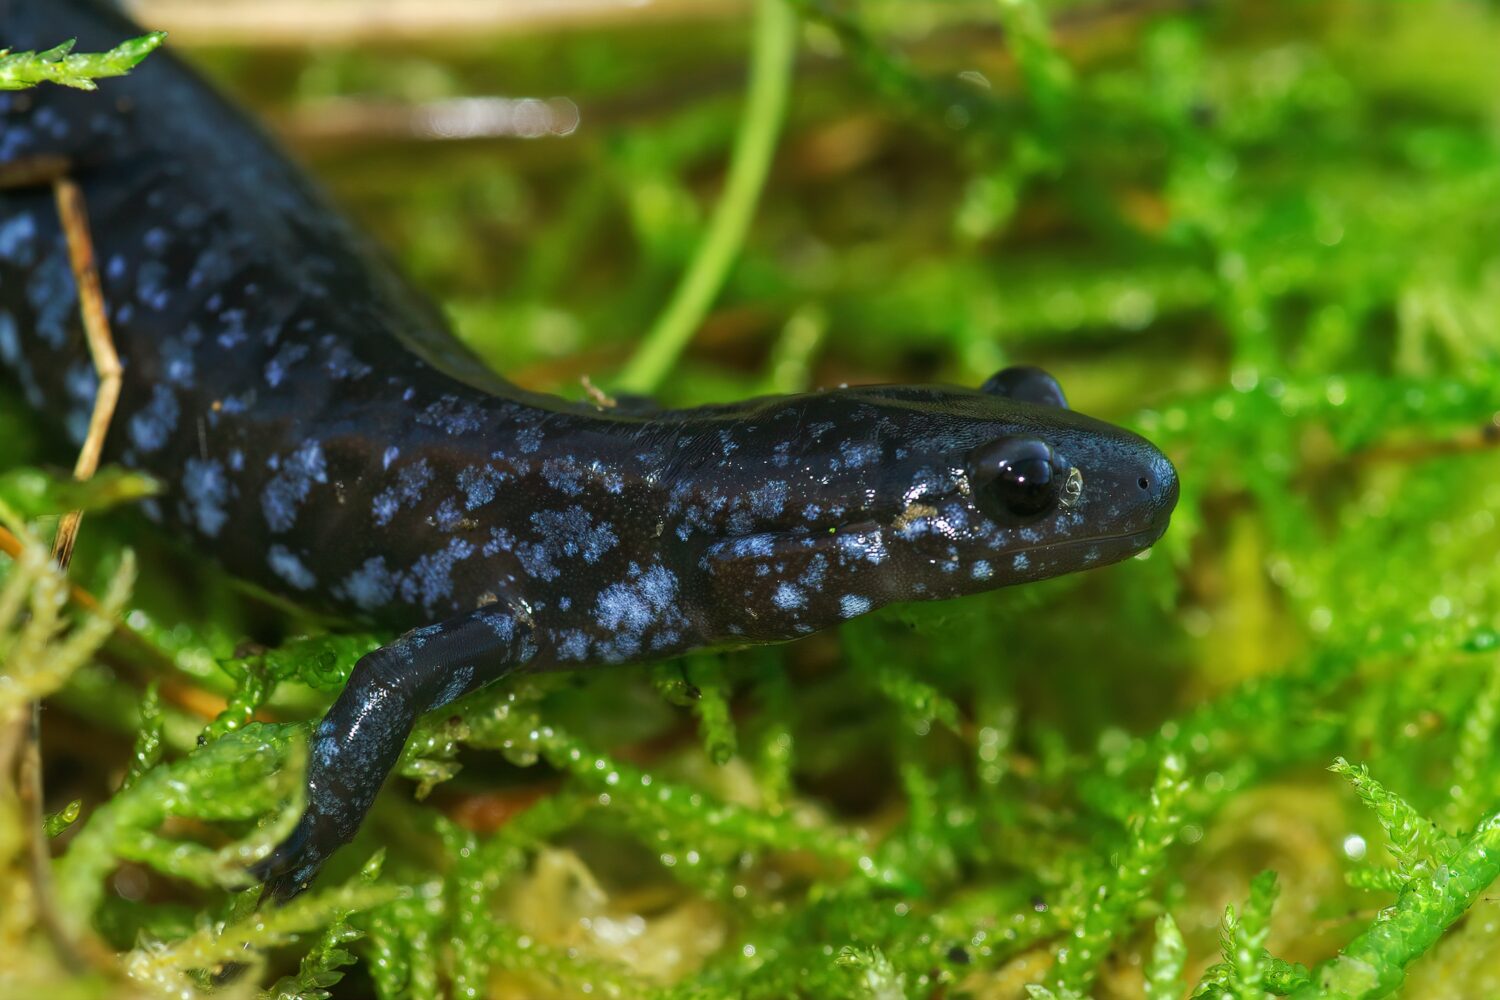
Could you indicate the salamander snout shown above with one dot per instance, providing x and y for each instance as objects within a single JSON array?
[
  {"x": 1160, "y": 482},
  {"x": 1157, "y": 482},
  {"x": 1130, "y": 492}
]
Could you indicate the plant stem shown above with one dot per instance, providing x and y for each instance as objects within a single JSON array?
[{"x": 765, "y": 107}]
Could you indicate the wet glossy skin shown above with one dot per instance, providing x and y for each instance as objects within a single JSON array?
[{"x": 320, "y": 432}]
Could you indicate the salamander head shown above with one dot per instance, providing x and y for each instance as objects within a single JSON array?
[
  {"x": 973, "y": 490},
  {"x": 1043, "y": 493}
]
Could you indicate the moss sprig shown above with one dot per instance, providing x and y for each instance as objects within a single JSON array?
[
  {"x": 1164, "y": 976},
  {"x": 1141, "y": 860},
  {"x": 66, "y": 68},
  {"x": 1374, "y": 964}
]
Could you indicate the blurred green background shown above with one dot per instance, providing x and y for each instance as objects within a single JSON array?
[{"x": 1264, "y": 234}]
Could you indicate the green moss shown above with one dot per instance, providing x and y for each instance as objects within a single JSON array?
[
  {"x": 1264, "y": 235},
  {"x": 63, "y": 66}
]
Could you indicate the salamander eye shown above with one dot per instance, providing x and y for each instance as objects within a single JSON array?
[
  {"x": 1027, "y": 384},
  {"x": 1020, "y": 476}
]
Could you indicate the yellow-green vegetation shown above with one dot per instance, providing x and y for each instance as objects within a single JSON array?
[
  {"x": 1260, "y": 761},
  {"x": 62, "y": 66}
]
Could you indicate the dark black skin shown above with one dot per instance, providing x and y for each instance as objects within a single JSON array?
[{"x": 321, "y": 433}]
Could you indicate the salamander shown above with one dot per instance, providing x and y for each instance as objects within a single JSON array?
[{"x": 320, "y": 432}]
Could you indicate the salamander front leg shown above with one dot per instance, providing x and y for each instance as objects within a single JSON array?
[{"x": 360, "y": 739}]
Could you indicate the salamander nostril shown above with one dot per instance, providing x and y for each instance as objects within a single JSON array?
[{"x": 1143, "y": 483}]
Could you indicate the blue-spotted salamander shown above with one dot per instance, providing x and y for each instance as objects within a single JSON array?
[{"x": 320, "y": 432}]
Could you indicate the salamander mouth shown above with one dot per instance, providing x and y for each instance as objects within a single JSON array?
[
  {"x": 1135, "y": 541},
  {"x": 1067, "y": 555}
]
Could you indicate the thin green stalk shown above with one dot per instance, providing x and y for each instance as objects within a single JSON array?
[{"x": 765, "y": 108}]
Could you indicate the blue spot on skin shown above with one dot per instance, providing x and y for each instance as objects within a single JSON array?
[
  {"x": 859, "y": 454},
  {"x": 812, "y": 577},
  {"x": 563, "y": 476},
  {"x": 479, "y": 483},
  {"x": 457, "y": 685},
  {"x": 536, "y": 560},
  {"x": 18, "y": 240},
  {"x": 447, "y": 516},
  {"x": 787, "y": 597},
  {"x": 277, "y": 368},
  {"x": 152, "y": 286},
  {"x": 341, "y": 363},
  {"x": 750, "y": 546},
  {"x": 212, "y": 268},
  {"x": 453, "y": 415},
  {"x": 51, "y": 122},
  {"x": 768, "y": 499},
  {"x": 177, "y": 362},
  {"x": 81, "y": 384},
  {"x": 10, "y": 341},
  {"x": 53, "y": 298},
  {"x": 666, "y": 639},
  {"x": 285, "y": 564},
  {"x": 430, "y": 578},
  {"x": 659, "y": 586},
  {"x": 982, "y": 570},
  {"x": 500, "y": 541},
  {"x": 391, "y": 454},
  {"x": 563, "y": 535},
  {"x": 852, "y": 605},
  {"x": 417, "y": 637},
  {"x": 233, "y": 334},
  {"x": 152, "y": 424},
  {"x": 612, "y": 480},
  {"x": 628, "y": 609},
  {"x": 325, "y": 748},
  {"x": 529, "y": 439},
  {"x": 1021, "y": 561},
  {"x": 207, "y": 489},
  {"x": 156, "y": 240},
  {"x": 500, "y": 623},
  {"x": 410, "y": 482},
  {"x": 371, "y": 586},
  {"x": 191, "y": 215},
  {"x": 573, "y": 532},
  {"x": 286, "y": 492},
  {"x": 918, "y": 527},
  {"x": 572, "y": 645},
  {"x": 867, "y": 547}
]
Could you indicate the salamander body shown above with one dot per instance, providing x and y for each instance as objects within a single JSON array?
[{"x": 320, "y": 432}]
